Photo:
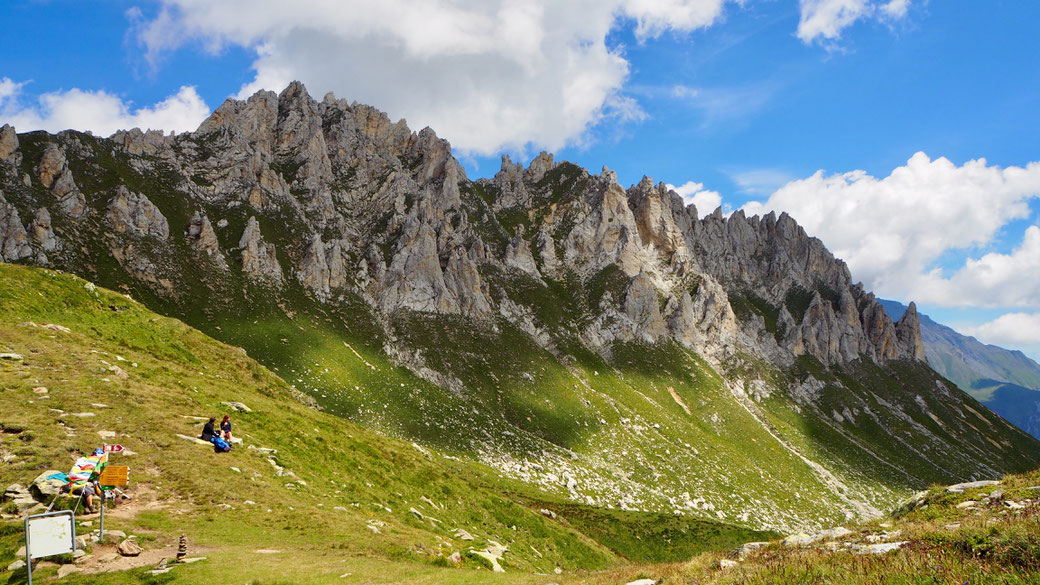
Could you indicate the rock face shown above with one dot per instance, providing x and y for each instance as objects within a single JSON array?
[
  {"x": 259, "y": 260},
  {"x": 134, "y": 215}
]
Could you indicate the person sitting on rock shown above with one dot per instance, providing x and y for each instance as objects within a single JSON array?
[
  {"x": 207, "y": 430},
  {"x": 87, "y": 493},
  {"x": 225, "y": 428}
]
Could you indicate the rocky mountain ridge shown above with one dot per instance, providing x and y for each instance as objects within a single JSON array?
[
  {"x": 339, "y": 170},
  {"x": 610, "y": 344}
]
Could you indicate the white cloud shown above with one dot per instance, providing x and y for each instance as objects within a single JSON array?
[
  {"x": 892, "y": 230},
  {"x": 994, "y": 280},
  {"x": 826, "y": 19},
  {"x": 98, "y": 111},
  {"x": 487, "y": 75},
  {"x": 695, "y": 193},
  {"x": 1009, "y": 329}
]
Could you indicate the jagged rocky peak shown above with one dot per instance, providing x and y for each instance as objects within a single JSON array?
[{"x": 352, "y": 203}]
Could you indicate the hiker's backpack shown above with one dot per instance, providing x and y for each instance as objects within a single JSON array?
[{"x": 220, "y": 445}]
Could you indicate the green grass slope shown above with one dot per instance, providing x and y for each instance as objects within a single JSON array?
[{"x": 147, "y": 378}]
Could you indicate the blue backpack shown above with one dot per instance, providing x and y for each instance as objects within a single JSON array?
[{"x": 220, "y": 445}]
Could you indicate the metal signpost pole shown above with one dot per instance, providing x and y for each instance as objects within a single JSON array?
[
  {"x": 101, "y": 532},
  {"x": 28, "y": 551}
]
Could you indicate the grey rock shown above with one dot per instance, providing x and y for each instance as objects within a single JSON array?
[
  {"x": 129, "y": 548},
  {"x": 237, "y": 406},
  {"x": 745, "y": 550},
  {"x": 876, "y": 549},
  {"x": 259, "y": 260},
  {"x": 204, "y": 239},
  {"x": 960, "y": 487},
  {"x": 53, "y": 172},
  {"x": 8, "y": 141},
  {"x": 42, "y": 487},
  {"x": 14, "y": 241},
  {"x": 16, "y": 565},
  {"x": 135, "y": 215},
  {"x": 42, "y": 232}
]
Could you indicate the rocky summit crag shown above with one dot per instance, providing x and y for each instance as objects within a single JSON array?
[{"x": 608, "y": 344}]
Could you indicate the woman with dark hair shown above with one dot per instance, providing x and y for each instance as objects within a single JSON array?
[
  {"x": 225, "y": 428},
  {"x": 207, "y": 431}
]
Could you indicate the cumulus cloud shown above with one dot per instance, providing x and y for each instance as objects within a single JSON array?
[
  {"x": 1009, "y": 329},
  {"x": 891, "y": 231},
  {"x": 826, "y": 19},
  {"x": 489, "y": 75},
  {"x": 98, "y": 111},
  {"x": 994, "y": 280},
  {"x": 695, "y": 193}
]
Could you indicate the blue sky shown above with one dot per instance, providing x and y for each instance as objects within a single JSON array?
[{"x": 748, "y": 100}]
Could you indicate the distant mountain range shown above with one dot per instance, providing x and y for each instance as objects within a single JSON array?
[{"x": 1006, "y": 381}]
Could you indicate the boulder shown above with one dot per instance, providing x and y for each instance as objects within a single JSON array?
[
  {"x": 66, "y": 570},
  {"x": 129, "y": 548},
  {"x": 237, "y": 406},
  {"x": 46, "y": 488},
  {"x": 742, "y": 551},
  {"x": 876, "y": 549}
]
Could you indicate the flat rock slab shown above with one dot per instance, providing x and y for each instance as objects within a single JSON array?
[
  {"x": 960, "y": 487},
  {"x": 195, "y": 440},
  {"x": 642, "y": 582},
  {"x": 266, "y": 551},
  {"x": 876, "y": 549}
]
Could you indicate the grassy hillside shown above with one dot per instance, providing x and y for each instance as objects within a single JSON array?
[
  {"x": 123, "y": 369},
  {"x": 980, "y": 536}
]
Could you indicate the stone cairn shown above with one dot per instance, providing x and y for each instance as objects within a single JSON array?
[{"x": 182, "y": 548}]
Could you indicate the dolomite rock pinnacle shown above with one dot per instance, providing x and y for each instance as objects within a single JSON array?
[
  {"x": 8, "y": 141},
  {"x": 259, "y": 260}
]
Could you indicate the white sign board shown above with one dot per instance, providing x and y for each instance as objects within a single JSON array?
[{"x": 50, "y": 534}]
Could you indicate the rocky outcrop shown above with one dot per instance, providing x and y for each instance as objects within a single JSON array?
[
  {"x": 518, "y": 254},
  {"x": 259, "y": 261},
  {"x": 203, "y": 237},
  {"x": 133, "y": 214},
  {"x": 53, "y": 172},
  {"x": 8, "y": 141},
  {"x": 14, "y": 241},
  {"x": 908, "y": 334},
  {"x": 643, "y": 308}
]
